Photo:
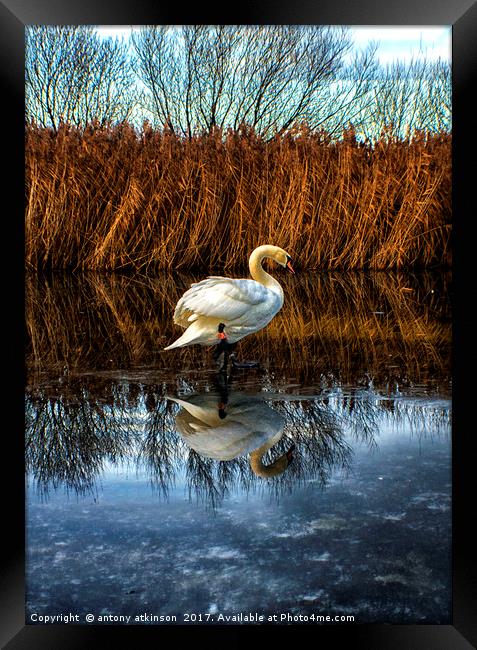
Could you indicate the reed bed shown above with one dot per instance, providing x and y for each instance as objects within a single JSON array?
[
  {"x": 350, "y": 326},
  {"x": 115, "y": 198}
]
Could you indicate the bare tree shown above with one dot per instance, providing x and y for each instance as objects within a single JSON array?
[
  {"x": 267, "y": 77},
  {"x": 411, "y": 96},
  {"x": 74, "y": 76},
  {"x": 195, "y": 78},
  {"x": 349, "y": 96}
]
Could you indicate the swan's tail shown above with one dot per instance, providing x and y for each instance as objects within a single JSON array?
[
  {"x": 202, "y": 413},
  {"x": 176, "y": 344},
  {"x": 202, "y": 333},
  {"x": 180, "y": 343}
]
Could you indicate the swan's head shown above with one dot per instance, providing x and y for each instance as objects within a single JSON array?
[
  {"x": 277, "y": 254},
  {"x": 285, "y": 260}
]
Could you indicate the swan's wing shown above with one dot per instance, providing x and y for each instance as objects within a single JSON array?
[
  {"x": 225, "y": 442},
  {"x": 216, "y": 297}
]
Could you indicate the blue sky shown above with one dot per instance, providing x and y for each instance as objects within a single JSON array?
[{"x": 395, "y": 42}]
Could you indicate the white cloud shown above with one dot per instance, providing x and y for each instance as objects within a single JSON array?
[
  {"x": 403, "y": 43},
  {"x": 396, "y": 43},
  {"x": 114, "y": 31}
]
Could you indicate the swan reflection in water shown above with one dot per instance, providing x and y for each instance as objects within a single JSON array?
[
  {"x": 225, "y": 427},
  {"x": 223, "y": 440}
]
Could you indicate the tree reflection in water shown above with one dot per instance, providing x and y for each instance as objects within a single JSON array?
[
  {"x": 68, "y": 441},
  {"x": 77, "y": 431}
]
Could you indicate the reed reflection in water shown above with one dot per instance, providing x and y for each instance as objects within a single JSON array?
[{"x": 392, "y": 327}]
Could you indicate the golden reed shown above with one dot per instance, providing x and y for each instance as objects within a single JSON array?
[{"x": 114, "y": 198}]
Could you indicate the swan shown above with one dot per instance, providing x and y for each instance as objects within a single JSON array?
[
  {"x": 223, "y": 431},
  {"x": 221, "y": 311}
]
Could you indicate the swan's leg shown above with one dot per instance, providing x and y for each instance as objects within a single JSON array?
[
  {"x": 219, "y": 348},
  {"x": 222, "y": 386},
  {"x": 222, "y": 347},
  {"x": 225, "y": 362},
  {"x": 242, "y": 364},
  {"x": 227, "y": 349}
]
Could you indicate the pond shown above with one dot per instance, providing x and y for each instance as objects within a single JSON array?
[{"x": 160, "y": 490}]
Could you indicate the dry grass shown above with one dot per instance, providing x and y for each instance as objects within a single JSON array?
[{"x": 110, "y": 199}]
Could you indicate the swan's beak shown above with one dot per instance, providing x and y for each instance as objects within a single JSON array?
[{"x": 289, "y": 266}]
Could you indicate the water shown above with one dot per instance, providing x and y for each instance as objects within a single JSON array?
[{"x": 145, "y": 498}]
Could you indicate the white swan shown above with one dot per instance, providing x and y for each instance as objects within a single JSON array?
[
  {"x": 245, "y": 425},
  {"x": 243, "y": 306}
]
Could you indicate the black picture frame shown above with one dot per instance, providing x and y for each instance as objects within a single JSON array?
[{"x": 462, "y": 15}]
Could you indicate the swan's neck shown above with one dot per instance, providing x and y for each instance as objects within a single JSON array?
[
  {"x": 256, "y": 459},
  {"x": 257, "y": 271}
]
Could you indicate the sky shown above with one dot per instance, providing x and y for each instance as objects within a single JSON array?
[
  {"x": 395, "y": 43},
  {"x": 402, "y": 43}
]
